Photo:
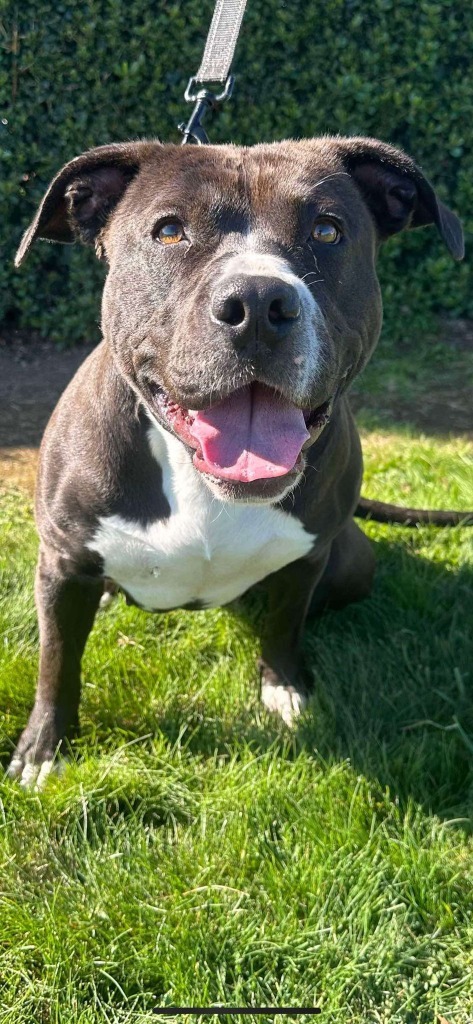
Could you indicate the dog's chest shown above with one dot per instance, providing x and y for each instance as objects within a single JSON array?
[{"x": 206, "y": 551}]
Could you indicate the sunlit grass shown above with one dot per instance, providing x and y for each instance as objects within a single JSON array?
[{"x": 195, "y": 851}]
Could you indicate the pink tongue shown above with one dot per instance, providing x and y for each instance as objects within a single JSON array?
[{"x": 253, "y": 434}]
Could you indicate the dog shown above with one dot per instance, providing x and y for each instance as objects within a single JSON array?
[{"x": 206, "y": 445}]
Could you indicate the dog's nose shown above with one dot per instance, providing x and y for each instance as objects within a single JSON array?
[{"x": 255, "y": 308}]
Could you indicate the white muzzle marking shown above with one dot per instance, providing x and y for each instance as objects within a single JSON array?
[{"x": 308, "y": 360}]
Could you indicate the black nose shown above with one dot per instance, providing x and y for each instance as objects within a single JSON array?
[{"x": 255, "y": 308}]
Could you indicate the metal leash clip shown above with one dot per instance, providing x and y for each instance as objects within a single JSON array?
[{"x": 204, "y": 100}]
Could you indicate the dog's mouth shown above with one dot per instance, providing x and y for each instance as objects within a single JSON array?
[{"x": 255, "y": 433}]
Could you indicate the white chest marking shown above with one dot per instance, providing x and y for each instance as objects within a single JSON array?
[{"x": 207, "y": 550}]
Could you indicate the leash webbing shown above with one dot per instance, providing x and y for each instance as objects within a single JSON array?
[
  {"x": 221, "y": 41},
  {"x": 215, "y": 67}
]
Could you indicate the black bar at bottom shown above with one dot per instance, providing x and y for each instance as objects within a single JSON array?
[{"x": 287, "y": 1011}]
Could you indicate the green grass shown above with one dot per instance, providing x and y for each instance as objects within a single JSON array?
[{"x": 194, "y": 851}]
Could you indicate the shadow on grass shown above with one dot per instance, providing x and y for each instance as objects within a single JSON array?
[{"x": 392, "y": 688}]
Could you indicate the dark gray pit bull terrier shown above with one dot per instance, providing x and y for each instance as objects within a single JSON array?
[{"x": 207, "y": 445}]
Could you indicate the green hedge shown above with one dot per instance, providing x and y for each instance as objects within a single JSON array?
[{"x": 76, "y": 75}]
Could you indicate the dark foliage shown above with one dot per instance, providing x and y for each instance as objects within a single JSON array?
[{"x": 78, "y": 75}]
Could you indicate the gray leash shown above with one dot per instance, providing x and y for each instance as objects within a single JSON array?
[
  {"x": 215, "y": 67},
  {"x": 221, "y": 41}
]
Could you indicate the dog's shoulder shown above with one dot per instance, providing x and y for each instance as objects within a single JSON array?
[{"x": 95, "y": 457}]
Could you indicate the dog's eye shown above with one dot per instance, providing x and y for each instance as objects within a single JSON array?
[
  {"x": 170, "y": 233},
  {"x": 326, "y": 231}
]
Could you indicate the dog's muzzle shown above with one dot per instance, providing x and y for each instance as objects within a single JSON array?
[{"x": 252, "y": 434}]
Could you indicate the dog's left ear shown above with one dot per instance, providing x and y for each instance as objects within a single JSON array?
[{"x": 396, "y": 191}]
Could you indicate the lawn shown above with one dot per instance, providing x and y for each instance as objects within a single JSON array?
[{"x": 194, "y": 851}]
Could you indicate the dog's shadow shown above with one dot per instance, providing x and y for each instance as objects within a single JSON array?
[{"x": 392, "y": 688}]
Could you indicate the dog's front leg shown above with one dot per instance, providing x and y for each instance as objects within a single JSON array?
[
  {"x": 290, "y": 592},
  {"x": 66, "y": 605}
]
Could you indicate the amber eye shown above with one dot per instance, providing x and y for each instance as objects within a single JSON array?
[
  {"x": 170, "y": 233},
  {"x": 326, "y": 231}
]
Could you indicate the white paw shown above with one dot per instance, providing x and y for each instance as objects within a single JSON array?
[
  {"x": 106, "y": 599},
  {"x": 286, "y": 701},
  {"x": 33, "y": 776}
]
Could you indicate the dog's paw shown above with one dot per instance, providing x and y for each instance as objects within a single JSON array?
[
  {"x": 110, "y": 592},
  {"x": 32, "y": 775},
  {"x": 37, "y": 754},
  {"x": 286, "y": 701}
]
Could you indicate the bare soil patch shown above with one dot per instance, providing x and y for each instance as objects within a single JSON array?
[{"x": 33, "y": 374}]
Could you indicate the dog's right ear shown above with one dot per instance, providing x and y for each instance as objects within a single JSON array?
[{"x": 82, "y": 196}]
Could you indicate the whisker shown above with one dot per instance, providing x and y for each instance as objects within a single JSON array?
[
  {"x": 336, "y": 174},
  {"x": 318, "y": 280}
]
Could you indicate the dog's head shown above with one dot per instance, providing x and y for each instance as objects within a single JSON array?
[{"x": 242, "y": 295}]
